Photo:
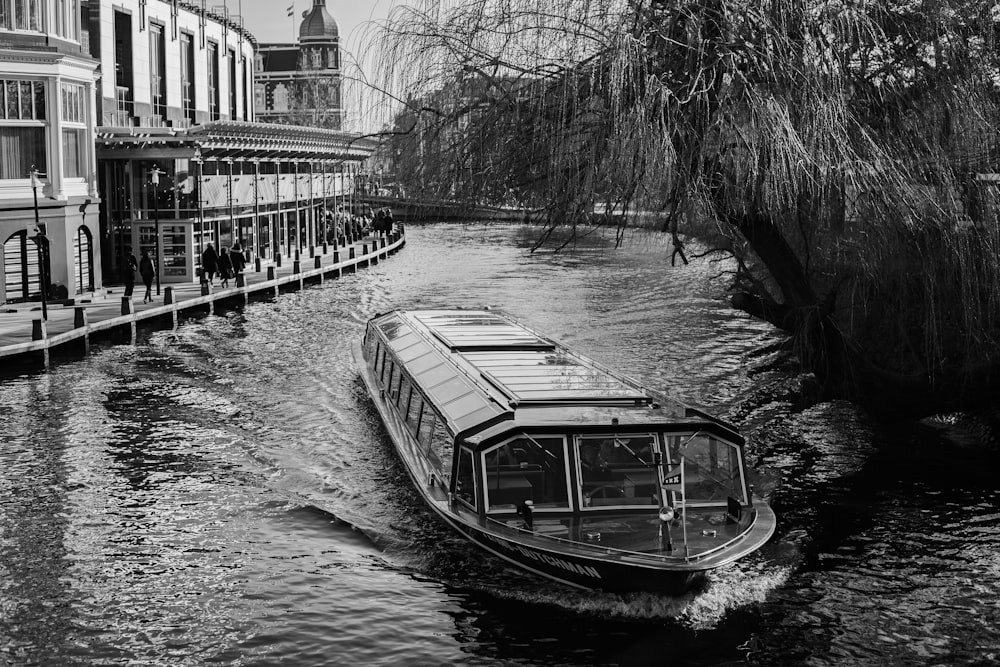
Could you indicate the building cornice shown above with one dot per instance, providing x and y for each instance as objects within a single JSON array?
[
  {"x": 22, "y": 56},
  {"x": 219, "y": 18}
]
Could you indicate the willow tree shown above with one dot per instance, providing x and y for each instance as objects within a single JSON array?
[{"x": 831, "y": 147}]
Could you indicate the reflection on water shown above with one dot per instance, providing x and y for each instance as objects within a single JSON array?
[{"x": 225, "y": 492}]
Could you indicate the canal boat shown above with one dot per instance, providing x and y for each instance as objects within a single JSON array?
[{"x": 554, "y": 462}]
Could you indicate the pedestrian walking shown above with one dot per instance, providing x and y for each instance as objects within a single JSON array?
[
  {"x": 237, "y": 259},
  {"x": 147, "y": 272},
  {"x": 209, "y": 263},
  {"x": 225, "y": 268},
  {"x": 128, "y": 271}
]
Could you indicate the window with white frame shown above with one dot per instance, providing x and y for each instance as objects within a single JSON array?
[
  {"x": 22, "y": 128},
  {"x": 21, "y": 15},
  {"x": 66, "y": 18},
  {"x": 158, "y": 69},
  {"x": 213, "y": 81},
  {"x": 74, "y": 130}
]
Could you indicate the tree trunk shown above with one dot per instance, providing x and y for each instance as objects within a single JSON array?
[{"x": 841, "y": 368}]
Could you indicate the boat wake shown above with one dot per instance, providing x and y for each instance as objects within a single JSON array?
[
  {"x": 725, "y": 591},
  {"x": 733, "y": 588}
]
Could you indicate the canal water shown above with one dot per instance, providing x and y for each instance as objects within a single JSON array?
[{"x": 224, "y": 493}]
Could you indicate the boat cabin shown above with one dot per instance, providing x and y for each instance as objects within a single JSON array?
[{"x": 500, "y": 418}]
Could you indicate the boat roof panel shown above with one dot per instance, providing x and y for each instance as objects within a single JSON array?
[
  {"x": 538, "y": 375},
  {"x": 390, "y": 326},
  {"x": 450, "y": 389},
  {"x": 419, "y": 349},
  {"x": 480, "y": 330}
]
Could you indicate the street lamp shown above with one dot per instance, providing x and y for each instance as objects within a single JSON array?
[
  {"x": 40, "y": 242},
  {"x": 154, "y": 179}
]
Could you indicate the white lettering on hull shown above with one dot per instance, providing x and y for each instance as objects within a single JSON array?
[{"x": 585, "y": 570}]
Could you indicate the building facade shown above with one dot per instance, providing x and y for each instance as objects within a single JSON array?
[
  {"x": 167, "y": 63},
  {"x": 300, "y": 84},
  {"x": 132, "y": 125},
  {"x": 183, "y": 162},
  {"x": 48, "y": 185}
]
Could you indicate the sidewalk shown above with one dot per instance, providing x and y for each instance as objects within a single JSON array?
[{"x": 22, "y": 332}]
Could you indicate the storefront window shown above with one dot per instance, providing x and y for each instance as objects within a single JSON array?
[{"x": 174, "y": 246}]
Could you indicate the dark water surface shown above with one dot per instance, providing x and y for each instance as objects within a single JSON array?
[{"x": 224, "y": 493}]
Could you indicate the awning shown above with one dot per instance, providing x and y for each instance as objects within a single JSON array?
[{"x": 233, "y": 139}]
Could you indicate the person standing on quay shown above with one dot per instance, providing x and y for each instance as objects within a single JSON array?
[
  {"x": 225, "y": 268},
  {"x": 209, "y": 263},
  {"x": 146, "y": 271},
  {"x": 128, "y": 271}
]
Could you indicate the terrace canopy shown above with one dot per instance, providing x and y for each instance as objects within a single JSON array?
[{"x": 233, "y": 139}]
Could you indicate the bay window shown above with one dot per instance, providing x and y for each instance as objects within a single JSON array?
[
  {"x": 21, "y": 15},
  {"x": 22, "y": 128},
  {"x": 66, "y": 22},
  {"x": 58, "y": 17}
]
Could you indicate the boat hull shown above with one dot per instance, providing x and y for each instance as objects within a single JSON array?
[
  {"x": 582, "y": 572},
  {"x": 581, "y": 566}
]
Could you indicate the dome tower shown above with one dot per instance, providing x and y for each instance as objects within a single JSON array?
[
  {"x": 318, "y": 25},
  {"x": 318, "y": 91}
]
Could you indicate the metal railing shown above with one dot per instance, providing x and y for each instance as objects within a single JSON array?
[{"x": 626, "y": 553}]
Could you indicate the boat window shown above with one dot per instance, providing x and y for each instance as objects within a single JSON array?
[
  {"x": 413, "y": 411},
  {"x": 465, "y": 482},
  {"x": 403, "y": 397},
  {"x": 440, "y": 450},
  {"x": 391, "y": 326},
  {"x": 712, "y": 468},
  {"x": 386, "y": 367},
  {"x": 427, "y": 421},
  {"x": 379, "y": 358},
  {"x": 394, "y": 383},
  {"x": 616, "y": 470},
  {"x": 526, "y": 468},
  {"x": 371, "y": 341}
]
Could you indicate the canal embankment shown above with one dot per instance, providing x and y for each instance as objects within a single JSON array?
[{"x": 29, "y": 339}]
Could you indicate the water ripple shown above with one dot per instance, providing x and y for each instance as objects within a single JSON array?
[{"x": 225, "y": 493}]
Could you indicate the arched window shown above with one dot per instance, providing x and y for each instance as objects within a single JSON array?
[
  {"x": 83, "y": 258},
  {"x": 20, "y": 268}
]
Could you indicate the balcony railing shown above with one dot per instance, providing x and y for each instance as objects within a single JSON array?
[
  {"x": 117, "y": 119},
  {"x": 123, "y": 99}
]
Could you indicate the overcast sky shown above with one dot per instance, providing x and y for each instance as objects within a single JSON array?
[{"x": 268, "y": 20}]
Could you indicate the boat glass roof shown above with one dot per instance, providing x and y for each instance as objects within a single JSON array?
[
  {"x": 450, "y": 390},
  {"x": 535, "y": 375},
  {"x": 390, "y": 326},
  {"x": 480, "y": 330}
]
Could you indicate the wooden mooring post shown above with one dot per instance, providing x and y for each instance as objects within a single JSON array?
[
  {"x": 80, "y": 322},
  {"x": 122, "y": 322}
]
